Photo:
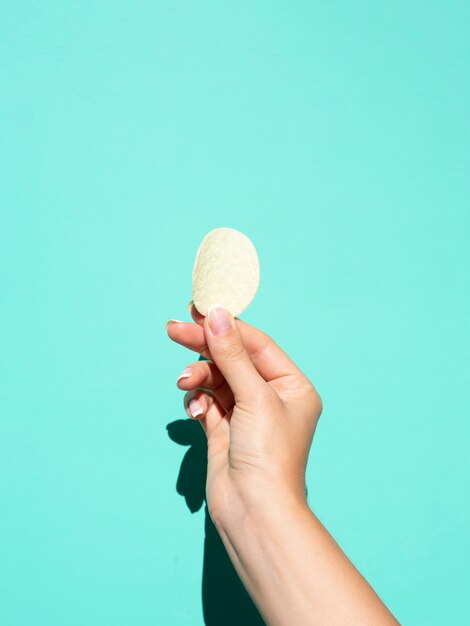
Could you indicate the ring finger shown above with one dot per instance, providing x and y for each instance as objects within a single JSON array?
[{"x": 206, "y": 375}]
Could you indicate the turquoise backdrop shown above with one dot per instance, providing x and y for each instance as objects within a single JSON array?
[{"x": 335, "y": 135}]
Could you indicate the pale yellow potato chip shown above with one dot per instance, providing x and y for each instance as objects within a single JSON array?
[{"x": 226, "y": 271}]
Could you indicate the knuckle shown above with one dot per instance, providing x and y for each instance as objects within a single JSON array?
[
  {"x": 265, "y": 337},
  {"x": 313, "y": 396},
  {"x": 233, "y": 351},
  {"x": 264, "y": 342},
  {"x": 319, "y": 403}
]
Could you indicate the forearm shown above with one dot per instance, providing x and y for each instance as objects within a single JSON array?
[{"x": 295, "y": 572}]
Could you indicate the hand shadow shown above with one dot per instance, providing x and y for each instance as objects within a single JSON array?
[{"x": 225, "y": 601}]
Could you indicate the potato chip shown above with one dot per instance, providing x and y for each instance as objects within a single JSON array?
[{"x": 226, "y": 271}]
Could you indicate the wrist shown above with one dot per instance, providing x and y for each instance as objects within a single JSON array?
[
  {"x": 263, "y": 539},
  {"x": 257, "y": 504}
]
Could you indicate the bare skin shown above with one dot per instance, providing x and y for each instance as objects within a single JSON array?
[{"x": 259, "y": 412}]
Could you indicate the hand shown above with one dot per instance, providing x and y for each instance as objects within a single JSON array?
[{"x": 259, "y": 412}]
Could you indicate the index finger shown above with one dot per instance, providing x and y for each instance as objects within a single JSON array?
[{"x": 268, "y": 357}]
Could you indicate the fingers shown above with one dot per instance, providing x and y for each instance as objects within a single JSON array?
[
  {"x": 189, "y": 335},
  {"x": 200, "y": 374},
  {"x": 268, "y": 357},
  {"x": 228, "y": 352},
  {"x": 203, "y": 407},
  {"x": 207, "y": 375}
]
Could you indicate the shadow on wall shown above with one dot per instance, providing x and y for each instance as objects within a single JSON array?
[{"x": 224, "y": 598}]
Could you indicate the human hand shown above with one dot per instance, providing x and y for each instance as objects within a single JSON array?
[{"x": 259, "y": 412}]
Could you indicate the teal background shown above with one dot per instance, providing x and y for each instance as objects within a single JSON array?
[{"x": 336, "y": 136}]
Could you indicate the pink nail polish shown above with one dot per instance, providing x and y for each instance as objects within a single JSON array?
[{"x": 219, "y": 319}]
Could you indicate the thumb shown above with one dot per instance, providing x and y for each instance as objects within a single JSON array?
[{"x": 229, "y": 354}]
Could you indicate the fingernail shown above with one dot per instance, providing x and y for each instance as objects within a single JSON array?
[
  {"x": 186, "y": 373},
  {"x": 171, "y": 322},
  {"x": 189, "y": 305},
  {"x": 219, "y": 319},
  {"x": 195, "y": 408}
]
